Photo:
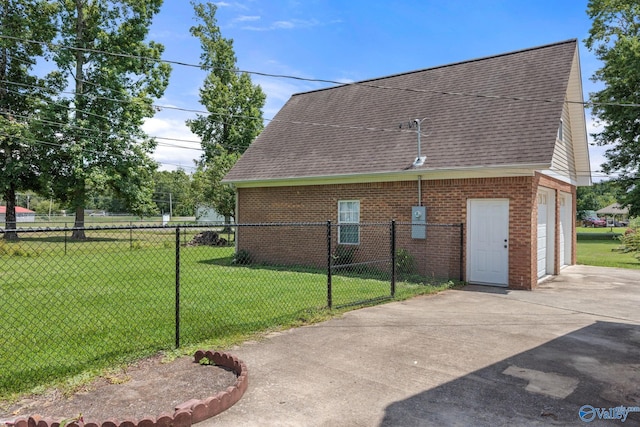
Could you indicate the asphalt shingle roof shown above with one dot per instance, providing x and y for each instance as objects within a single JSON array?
[{"x": 472, "y": 120}]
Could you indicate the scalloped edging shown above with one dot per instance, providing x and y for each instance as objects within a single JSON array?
[{"x": 185, "y": 414}]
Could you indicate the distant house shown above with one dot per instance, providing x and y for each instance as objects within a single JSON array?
[
  {"x": 208, "y": 214},
  {"x": 22, "y": 214},
  {"x": 616, "y": 215},
  {"x": 505, "y": 145}
]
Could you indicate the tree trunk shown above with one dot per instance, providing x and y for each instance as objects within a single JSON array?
[
  {"x": 10, "y": 218},
  {"x": 78, "y": 225},
  {"x": 79, "y": 196}
]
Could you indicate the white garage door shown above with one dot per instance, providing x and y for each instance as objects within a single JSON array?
[
  {"x": 543, "y": 210},
  {"x": 565, "y": 229}
]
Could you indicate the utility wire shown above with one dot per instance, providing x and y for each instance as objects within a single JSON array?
[
  {"x": 87, "y": 150},
  {"x": 231, "y": 147},
  {"x": 220, "y": 115},
  {"x": 365, "y": 84},
  {"x": 314, "y": 80}
]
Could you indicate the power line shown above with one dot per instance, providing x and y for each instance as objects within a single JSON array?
[
  {"x": 365, "y": 84},
  {"x": 600, "y": 174},
  {"x": 316, "y": 80},
  {"x": 220, "y": 115},
  {"x": 283, "y": 121},
  {"x": 87, "y": 150}
]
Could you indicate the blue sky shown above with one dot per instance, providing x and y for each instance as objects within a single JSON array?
[{"x": 351, "y": 40}]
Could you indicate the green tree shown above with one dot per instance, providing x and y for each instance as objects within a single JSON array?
[
  {"x": 597, "y": 196},
  {"x": 46, "y": 207},
  {"x": 234, "y": 104},
  {"x": 209, "y": 190},
  {"x": 614, "y": 37},
  {"x": 115, "y": 75},
  {"x": 172, "y": 192},
  {"x": 20, "y": 156}
]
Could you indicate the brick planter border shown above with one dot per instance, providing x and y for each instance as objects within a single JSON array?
[{"x": 187, "y": 413}]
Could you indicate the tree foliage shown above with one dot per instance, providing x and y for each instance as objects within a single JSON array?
[
  {"x": 234, "y": 104},
  {"x": 172, "y": 193},
  {"x": 614, "y": 37},
  {"x": 115, "y": 76},
  {"x": 208, "y": 188},
  {"x": 21, "y": 158},
  {"x": 597, "y": 196}
]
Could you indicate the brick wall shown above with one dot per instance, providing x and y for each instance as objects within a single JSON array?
[{"x": 446, "y": 202}]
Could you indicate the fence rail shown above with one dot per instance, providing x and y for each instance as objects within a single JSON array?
[{"x": 123, "y": 292}]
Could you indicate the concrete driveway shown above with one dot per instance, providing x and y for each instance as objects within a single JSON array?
[{"x": 476, "y": 356}]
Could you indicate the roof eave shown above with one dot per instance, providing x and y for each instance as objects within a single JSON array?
[
  {"x": 579, "y": 124},
  {"x": 490, "y": 171}
]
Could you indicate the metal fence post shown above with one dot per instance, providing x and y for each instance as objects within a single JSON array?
[
  {"x": 393, "y": 258},
  {"x": 177, "y": 286},
  {"x": 461, "y": 249},
  {"x": 65, "y": 238},
  {"x": 329, "y": 302}
]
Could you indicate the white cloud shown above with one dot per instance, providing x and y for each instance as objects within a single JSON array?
[
  {"x": 246, "y": 18},
  {"x": 235, "y": 5},
  {"x": 596, "y": 152},
  {"x": 177, "y": 146},
  {"x": 279, "y": 91},
  {"x": 287, "y": 25}
]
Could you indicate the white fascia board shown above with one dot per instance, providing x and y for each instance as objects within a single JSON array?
[
  {"x": 578, "y": 124},
  {"x": 425, "y": 174}
]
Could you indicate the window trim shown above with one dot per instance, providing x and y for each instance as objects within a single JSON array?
[
  {"x": 340, "y": 223},
  {"x": 560, "y": 135}
]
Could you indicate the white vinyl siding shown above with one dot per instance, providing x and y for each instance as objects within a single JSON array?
[
  {"x": 563, "y": 162},
  {"x": 348, "y": 220}
]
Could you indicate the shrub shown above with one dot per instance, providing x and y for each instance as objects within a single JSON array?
[
  {"x": 631, "y": 241},
  {"x": 405, "y": 263},
  {"x": 242, "y": 257},
  {"x": 344, "y": 255},
  {"x": 17, "y": 251}
]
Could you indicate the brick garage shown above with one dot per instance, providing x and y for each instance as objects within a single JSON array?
[
  {"x": 446, "y": 202},
  {"x": 504, "y": 155}
]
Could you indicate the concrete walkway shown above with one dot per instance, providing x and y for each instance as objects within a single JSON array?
[{"x": 476, "y": 356}]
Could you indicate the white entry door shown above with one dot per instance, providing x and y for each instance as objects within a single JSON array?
[{"x": 488, "y": 241}]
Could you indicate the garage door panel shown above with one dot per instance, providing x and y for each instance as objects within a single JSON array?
[
  {"x": 565, "y": 232},
  {"x": 542, "y": 234}
]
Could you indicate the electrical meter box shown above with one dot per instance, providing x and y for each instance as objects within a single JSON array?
[{"x": 419, "y": 222}]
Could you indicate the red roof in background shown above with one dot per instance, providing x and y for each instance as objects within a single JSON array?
[{"x": 19, "y": 210}]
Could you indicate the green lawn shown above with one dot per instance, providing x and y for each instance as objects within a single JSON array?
[
  {"x": 76, "y": 307},
  {"x": 598, "y": 246}
]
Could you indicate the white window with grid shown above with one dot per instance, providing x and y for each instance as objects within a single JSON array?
[{"x": 348, "y": 220}]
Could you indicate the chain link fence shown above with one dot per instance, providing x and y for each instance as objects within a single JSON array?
[{"x": 70, "y": 306}]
